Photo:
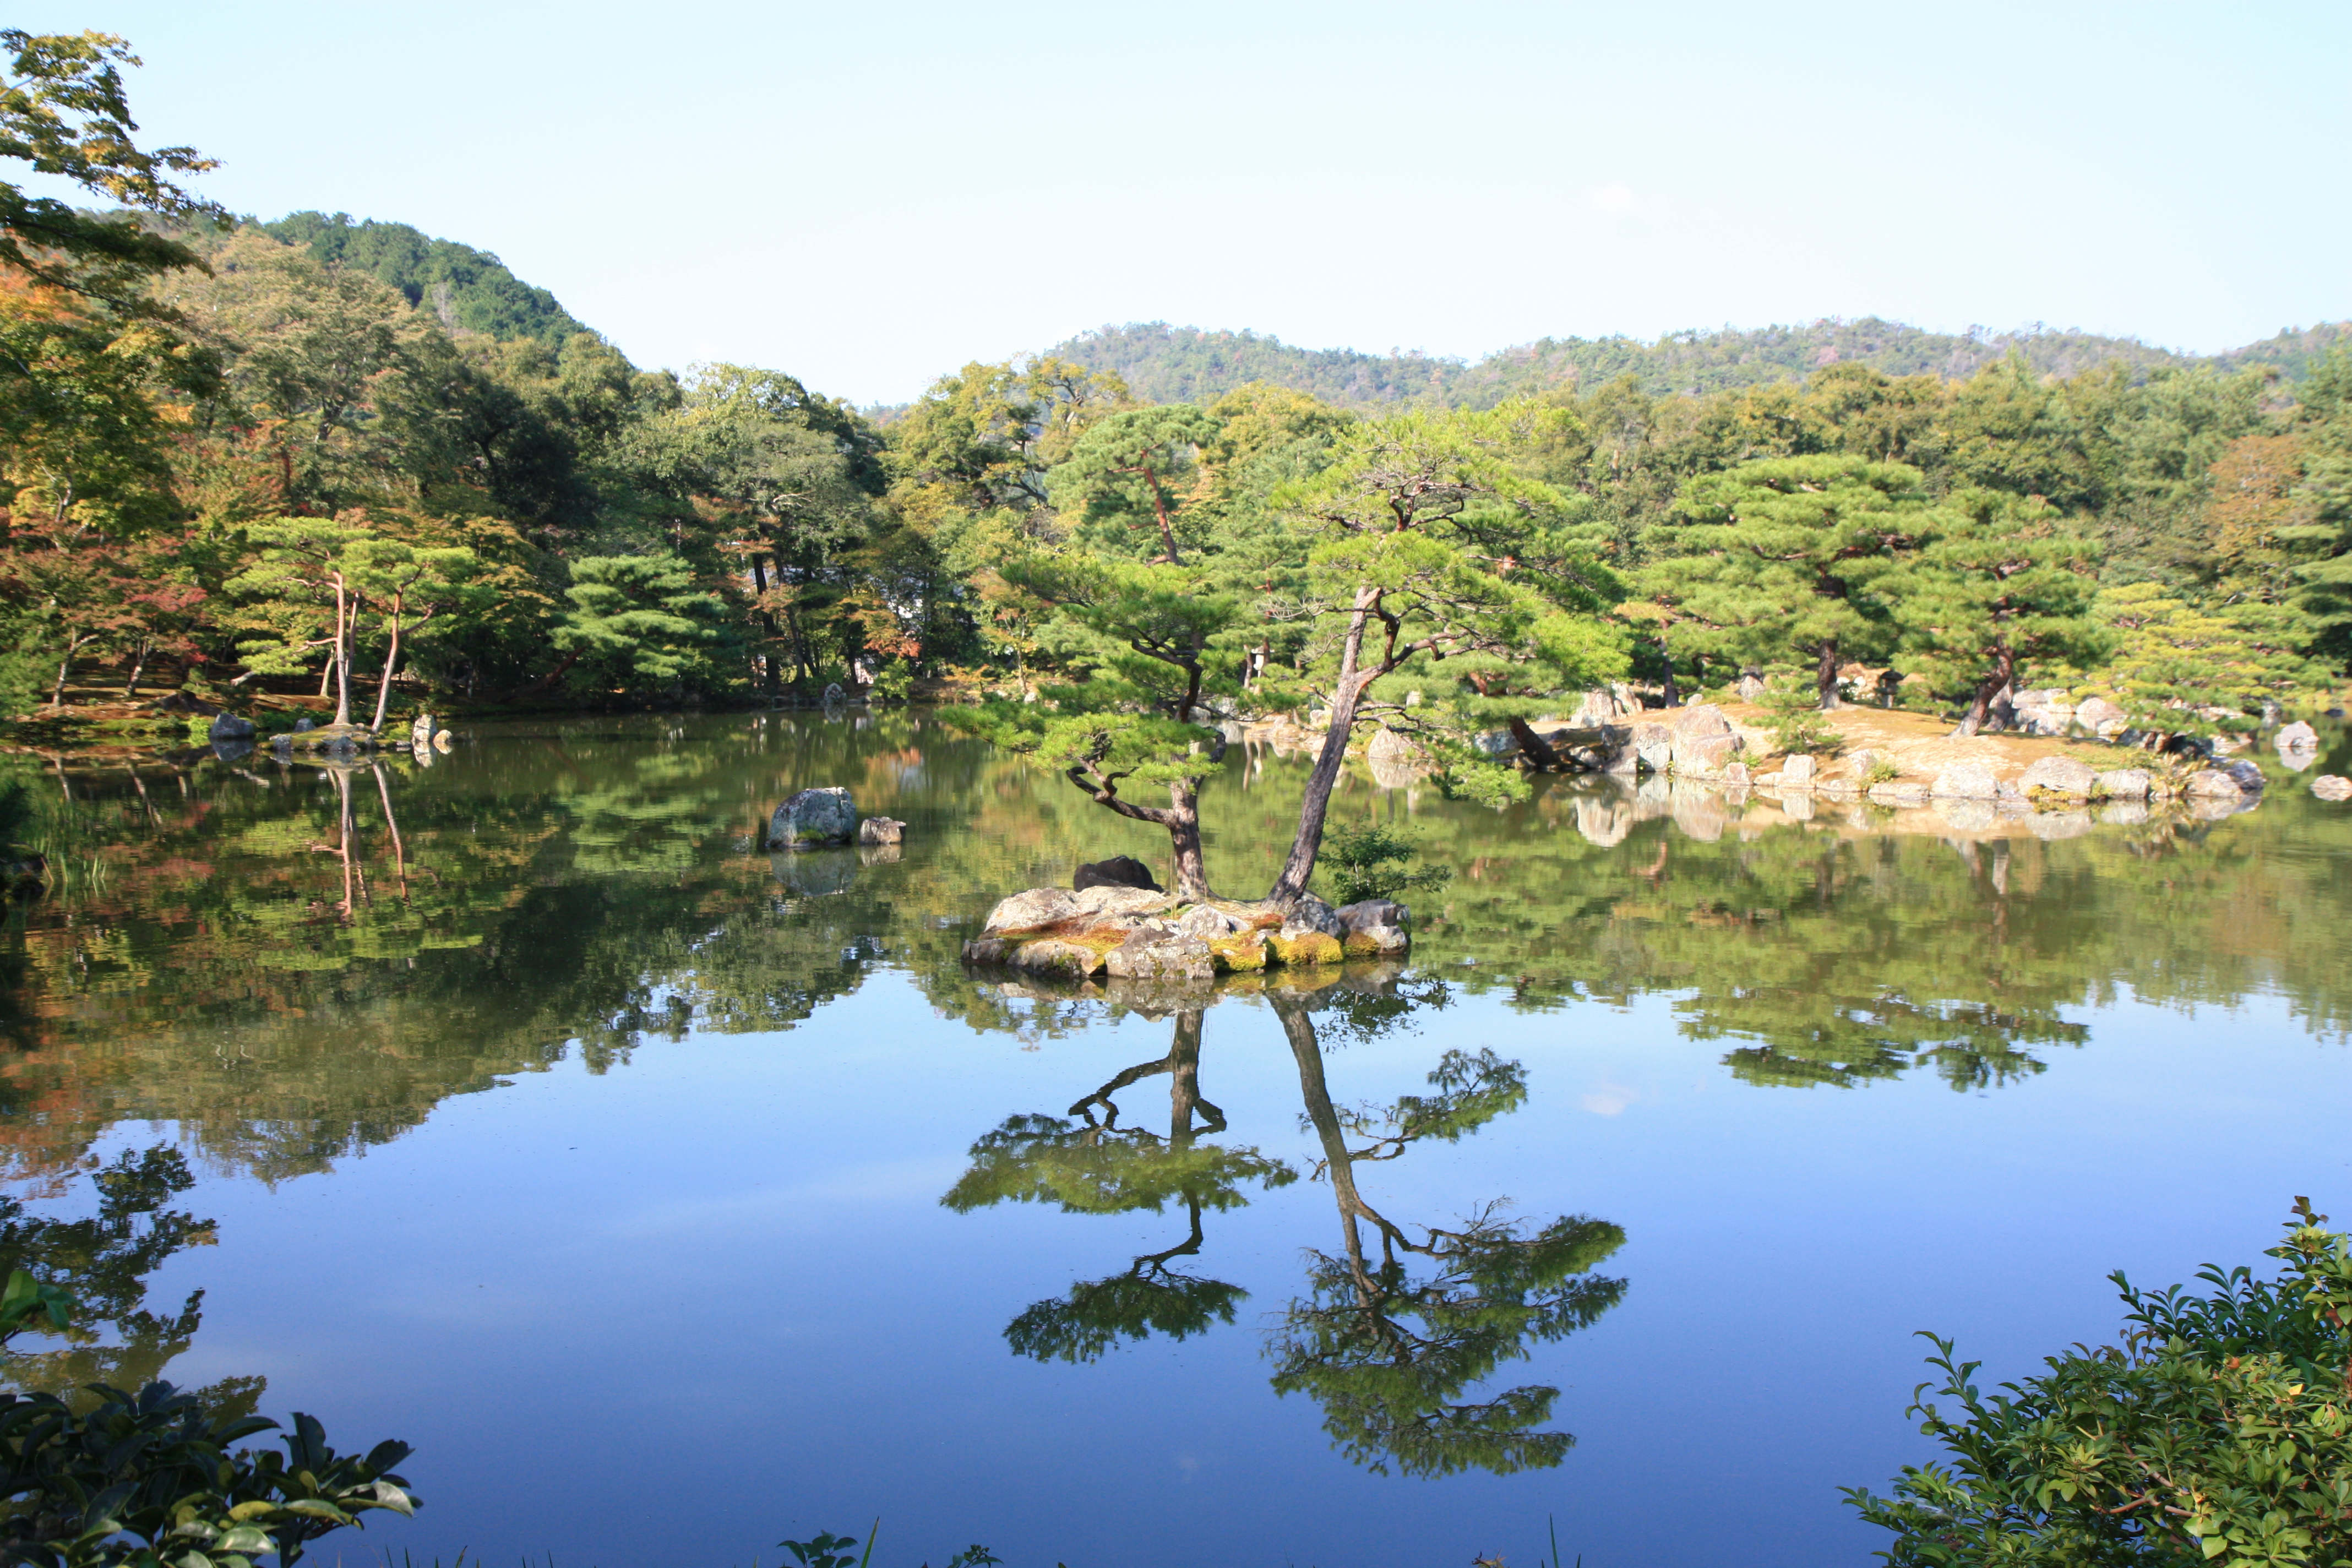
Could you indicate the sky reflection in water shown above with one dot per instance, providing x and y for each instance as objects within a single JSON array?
[{"x": 605, "y": 1161}]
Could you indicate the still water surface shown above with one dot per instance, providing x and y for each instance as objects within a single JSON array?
[{"x": 672, "y": 1199}]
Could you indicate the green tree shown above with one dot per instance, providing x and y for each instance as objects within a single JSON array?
[
  {"x": 1998, "y": 581},
  {"x": 1424, "y": 541},
  {"x": 63, "y": 111},
  {"x": 300, "y": 596},
  {"x": 637, "y": 619},
  {"x": 1784, "y": 556},
  {"x": 1125, "y": 472},
  {"x": 1145, "y": 634}
]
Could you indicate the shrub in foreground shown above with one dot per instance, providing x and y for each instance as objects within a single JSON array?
[{"x": 2219, "y": 1431}]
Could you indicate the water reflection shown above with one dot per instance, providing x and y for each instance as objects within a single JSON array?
[
  {"x": 102, "y": 1261},
  {"x": 1396, "y": 1330},
  {"x": 292, "y": 963},
  {"x": 1085, "y": 1162}
]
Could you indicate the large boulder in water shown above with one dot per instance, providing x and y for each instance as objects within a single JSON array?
[
  {"x": 2060, "y": 776},
  {"x": 1119, "y": 871},
  {"x": 1966, "y": 781},
  {"x": 2123, "y": 783},
  {"x": 229, "y": 727},
  {"x": 813, "y": 816}
]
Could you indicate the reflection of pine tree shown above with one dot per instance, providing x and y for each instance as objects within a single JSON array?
[
  {"x": 102, "y": 1261},
  {"x": 1388, "y": 1354},
  {"x": 1094, "y": 1166}
]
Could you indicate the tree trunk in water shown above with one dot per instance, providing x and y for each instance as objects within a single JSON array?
[
  {"x": 390, "y": 666},
  {"x": 1825, "y": 678},
  {"x": 1184, "y": 840},
  {"x": 1538, "y": 752},
  {"x": 138, "y": 666},
  {"x": 1317, "y": 803}
]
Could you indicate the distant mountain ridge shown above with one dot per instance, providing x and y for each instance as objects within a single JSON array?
[
  {"x": 471, "y": 290},
  {"x": 1185, "y": 364}
]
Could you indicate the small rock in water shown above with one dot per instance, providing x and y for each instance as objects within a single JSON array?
[
  {"x": 2331, "y": 786},
  {"x": 813, "y": 816},
  {"x": 302, "y": 726},
  {"x": 881, "y": 830}
]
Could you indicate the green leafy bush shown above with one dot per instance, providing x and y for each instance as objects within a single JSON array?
[
  {"x": 1375, "y": 862},
  {"x": 2219, "y": 1431},
  {"x": 150, "y": 1478}
]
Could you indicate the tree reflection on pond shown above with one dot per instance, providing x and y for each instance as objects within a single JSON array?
[
  {"x": 1092, "y": 1165},
  {"x": 102, "y": 1262},
  {"x": 1397, "y": 1328}
]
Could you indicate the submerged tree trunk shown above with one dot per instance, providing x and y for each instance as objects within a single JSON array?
[{"x": 1825, "y": 677}]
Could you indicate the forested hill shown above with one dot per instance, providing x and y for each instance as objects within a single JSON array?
[
  {"x": 1184, "y": 365},
  {"x": 471, "y": 290}
]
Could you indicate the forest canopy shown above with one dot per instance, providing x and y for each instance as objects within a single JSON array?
[{"x": 335, "y": 455}]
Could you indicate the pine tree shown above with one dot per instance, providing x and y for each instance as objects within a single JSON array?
[
  {"x": 1149, "y": 644},
  {"x": 1999, "y": 582},
  {"x": 1784, "y": 556},
  {"x": 1427, "y": 542}
]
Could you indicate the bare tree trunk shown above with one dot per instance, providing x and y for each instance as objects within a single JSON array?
[
  {"x": 343, "y": 628},
  {"x": 65, "y": 668},
  {"x": 1981, "y": 706},
  {"x": 391, "y": 667},
  {"x": 1537, "y": 750},
  {"x": 138, "y": 666},
  {"x": 1825, "y": 677},
  {"x": 1673, "y": 693},
  {"x": 1184, "y": 841},
  {"x": 1317, "y": 803}
]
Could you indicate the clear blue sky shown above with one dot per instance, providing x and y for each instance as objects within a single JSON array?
[{"x": 869, "y": 194}]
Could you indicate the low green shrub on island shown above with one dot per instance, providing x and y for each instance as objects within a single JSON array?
[{"x": 2219, "y": 1431}]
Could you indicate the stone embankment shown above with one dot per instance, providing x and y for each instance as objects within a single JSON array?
[{"x": 1143, "y": 933}]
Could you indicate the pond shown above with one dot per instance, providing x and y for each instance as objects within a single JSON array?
[{"x": 673, "y": 1198}]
